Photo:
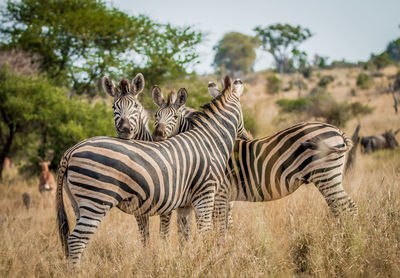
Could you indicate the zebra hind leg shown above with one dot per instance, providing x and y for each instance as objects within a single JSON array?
[
  {"x": 337, "y": 199},
  {"x": 85, "y": 227}
]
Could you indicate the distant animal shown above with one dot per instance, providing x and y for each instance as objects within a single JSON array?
[
  {"x": 7, "y": 164},
  {"x": 386, "y": 140},
  {"x": 46, "y": 179},
  {"x": 26, "y": 199}
]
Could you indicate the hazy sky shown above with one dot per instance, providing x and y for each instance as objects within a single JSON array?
[{"x": 351, "y": 29}]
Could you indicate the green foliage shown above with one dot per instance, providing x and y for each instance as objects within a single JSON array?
[
  {"x": 325, "y": 107},
  {"x": 235, "y": 53},
  {"x": 364, "y": 81},
  {"x": 282, "y": 41},
  {"x": 393, "y": 50},
  {"x": 293, "y": 105},
  {"x": 274, "y": 84},
  {"x": 380, "y": 61},
  {"x": 250, "y": 122},
  {"x": 325, "y": 80},
  {"x": 40, "y": 118},
  {"x": 78, "y": 42}
]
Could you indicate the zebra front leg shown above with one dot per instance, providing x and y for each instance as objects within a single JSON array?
[
  {"x": 184, "y": 219},
  {"x": 221, "y": 214},
  {"x": 143, "y": 223},
  {"x": 165, "y": 220},
  {"x": 203, "y": 205}
]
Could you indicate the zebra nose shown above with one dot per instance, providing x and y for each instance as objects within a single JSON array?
[
  {"x": 159, "y": 133},
  {"x": 124, "y": 125}
]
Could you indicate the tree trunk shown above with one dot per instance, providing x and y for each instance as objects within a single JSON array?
[{"x": 7, "y": 147}]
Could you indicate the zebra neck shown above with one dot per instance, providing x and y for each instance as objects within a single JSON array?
[
  {"x": 143, "y": 132},
  {"x": 184, "y": 124}
]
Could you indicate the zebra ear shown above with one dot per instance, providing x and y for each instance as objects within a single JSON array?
[
  {"x": 137, "y": 84},
  {"x": 157, "y": 96},
  {"x": 109, "y": 86},
  {"x": 237, "y": 87},
  {"x": 213, "y": 89},
  {"x": 181, "y": 98}
]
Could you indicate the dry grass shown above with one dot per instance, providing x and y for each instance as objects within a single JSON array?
[{"x": 295, "y": 236}]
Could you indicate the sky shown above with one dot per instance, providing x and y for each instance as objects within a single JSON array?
[{"x": 349, "y": 30}]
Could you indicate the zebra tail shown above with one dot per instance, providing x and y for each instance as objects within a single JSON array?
[
  {"x": 62, "y": 219},
  {"x": 317, "y": 144}
]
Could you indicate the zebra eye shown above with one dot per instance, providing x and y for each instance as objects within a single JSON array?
[
  {"x": 175, "y": 117},
  {"x": 113, "y": 106}
]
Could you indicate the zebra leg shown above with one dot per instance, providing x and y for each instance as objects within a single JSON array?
[
  {"x": 221, "y": 214},
  {"x": 85, "y": 227},
  {"x": 143, "y": 223},
  {"x": 335, "y": 196},
  {"x": 230, "y": 219},
  {"x": 165, "y": 220},
  {"x": 184, "y": 219},
  {"x": 203, "y": 205}
]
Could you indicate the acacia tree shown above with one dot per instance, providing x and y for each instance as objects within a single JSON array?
[
  {"x": 282, "y": 41},
  {"x": 236, "y": 53},
  {"x": 80, "y": 41}
]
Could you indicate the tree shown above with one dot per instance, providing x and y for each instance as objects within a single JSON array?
[
  {"x": 36, "y": 117},
  {"x": 393, "y": 49},
  {"x": 236, "y": 53},
  {"x": 380, "y": 61},
  {"x": 282, "y": 41},
  {"x": 78, "y": 42}
]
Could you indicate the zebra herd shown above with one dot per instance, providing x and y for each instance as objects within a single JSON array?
[{"x": 201, "y": 160}]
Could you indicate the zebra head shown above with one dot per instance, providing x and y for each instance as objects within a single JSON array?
[
  {"x": 127, "y": 109},
  {"x": 238, "y": 88},
  {"x": 168, "y": 113}
]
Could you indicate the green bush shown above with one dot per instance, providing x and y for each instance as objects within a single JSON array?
[
  {"x": 250, "y": 122},
  {"x": 325, "y": 80},
  {"x": 364, "y": 81},
  {"x": 274, "y": 84},
  {"x": 325, "y": 107}
]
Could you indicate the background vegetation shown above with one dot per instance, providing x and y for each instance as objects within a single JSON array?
[{"x": 52, "y": 56}]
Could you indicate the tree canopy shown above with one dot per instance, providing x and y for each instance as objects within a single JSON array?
[
  {"x": 235, "y": 53},
  {"x": 38, "y": 119},
  {"x": 282, "y": 41},
  {"x": 78, "y": 42}
]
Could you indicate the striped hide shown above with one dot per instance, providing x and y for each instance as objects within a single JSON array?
[{"x": 148, "y": 178}]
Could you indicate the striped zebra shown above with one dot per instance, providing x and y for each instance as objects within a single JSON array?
[
  {"x": 131, "y": 122},
  {"x": 273, "y": 167},
  {"x": 130, "y": 117},
  {"x": 148, "y": 178}
]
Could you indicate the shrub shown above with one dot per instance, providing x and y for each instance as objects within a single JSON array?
[
  {"x": 363, "y": 81},
  {"x": 274, "y": 84},
  {"x": 325, "y": 80},
  {"x": 325, "y": 107}
]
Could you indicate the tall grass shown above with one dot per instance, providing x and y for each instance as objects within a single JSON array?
[{"x": 293, "y": 236}]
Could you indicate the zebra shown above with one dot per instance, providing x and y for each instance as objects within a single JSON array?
[
  {"x": 131, "y": 122},
  {"x": 148, "y": 178},
  {"x": 275, "y": 166},
  {"x": 130, "y": 117}
]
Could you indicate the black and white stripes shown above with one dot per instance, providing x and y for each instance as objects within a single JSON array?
[{"x": 148, "y": 178}]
